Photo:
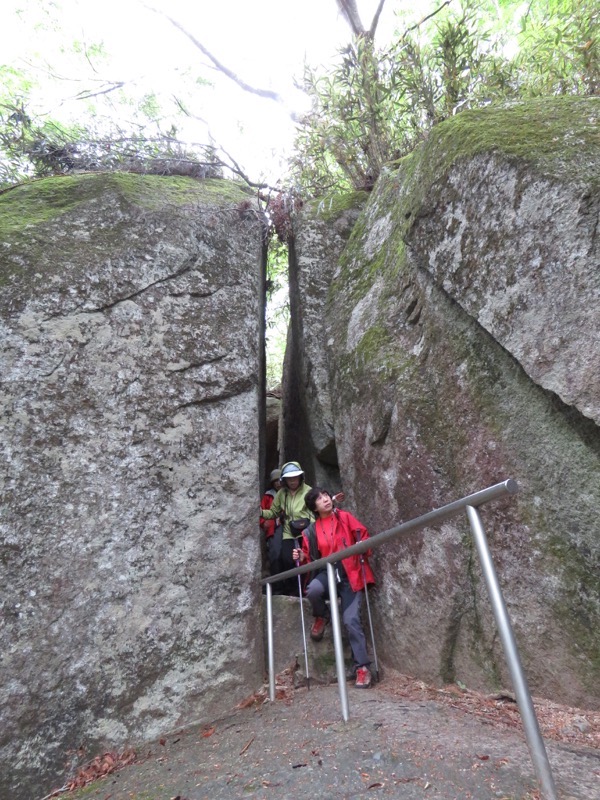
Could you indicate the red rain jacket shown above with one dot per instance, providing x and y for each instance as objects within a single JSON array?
[
  {"x": 268, "y": 525},
  {"x": 335, "y": 533}
]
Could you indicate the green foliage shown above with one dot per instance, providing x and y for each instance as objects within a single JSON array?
[
  {"x": 150, "y": 106},
  {"x": 560, "y": 51},
  {"x": 277, "y": 310},
  {"x": 62, "y": 110},
  {"x": 277, "y": 270},
  {"x": 31, "y": 148},
  {"x": 376, "y": 105}
]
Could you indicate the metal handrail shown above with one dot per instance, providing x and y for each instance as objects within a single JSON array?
[
  {"x": 469, "y": 505},
  {"x": 424, "y": 521}
]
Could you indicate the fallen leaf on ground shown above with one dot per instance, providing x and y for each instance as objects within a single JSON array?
[
  {"x": 558, "y": 722},
  {"x": 100, "y": 767}
]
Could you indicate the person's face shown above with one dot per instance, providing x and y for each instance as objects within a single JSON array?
[
  {"x": 293, "y": 483},
  {"x": 324, "y": 504},
  {"x": 277, "y": 484}
]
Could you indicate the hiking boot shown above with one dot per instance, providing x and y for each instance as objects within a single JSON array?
[
  {"x": 318, "y": 628},
  {"x": 363, "y": 678}
]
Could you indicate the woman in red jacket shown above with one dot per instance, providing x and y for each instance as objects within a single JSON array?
[{"x": 334, "y": 530}]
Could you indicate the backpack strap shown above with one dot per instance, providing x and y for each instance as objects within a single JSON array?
[{"x": 311, "y": 535}]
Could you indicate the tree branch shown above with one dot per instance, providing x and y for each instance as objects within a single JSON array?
[
  {"x": 429, "y": 16},
  {"x": 237, "y": 170},
  {"x": 375, "y": 22},
  {"x": 86, "y": 94},
  {"x": 185, "y": 110},
  {"x": 350, "y": 13},
  {"x": 267, "y": 93}
]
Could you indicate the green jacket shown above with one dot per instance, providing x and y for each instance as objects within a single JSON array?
[{"x": 292, "y": 505}]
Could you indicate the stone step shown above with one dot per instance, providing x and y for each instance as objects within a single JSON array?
[{"x": 288, "y": 646}]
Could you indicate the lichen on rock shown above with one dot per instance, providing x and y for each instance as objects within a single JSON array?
[
  {"x": 462, "y": 344},
  {"x": 131, "y": 354}
]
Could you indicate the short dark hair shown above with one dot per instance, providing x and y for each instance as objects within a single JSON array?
[{"x": 311, "y": 497}]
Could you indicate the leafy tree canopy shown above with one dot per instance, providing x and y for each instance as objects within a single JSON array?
[
  {"x": 369, "y": 107},
  {"x": 378, "y": 103},
  {"x": 69, "y": 99}
]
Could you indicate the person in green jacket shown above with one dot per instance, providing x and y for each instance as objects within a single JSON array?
[{"x": 290, "y": 506}]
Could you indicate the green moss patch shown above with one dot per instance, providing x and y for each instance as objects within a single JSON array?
[
  {"x": 579, "y": 604},
  {"x": 376, "y": 358},
  {"x": 100, "y": 214},
  {"x": 42, "y": 201},
  {"x": 560, "y": 137},
  {"x": 332, "y": 206},
  {"x": 556, "y": 135}
]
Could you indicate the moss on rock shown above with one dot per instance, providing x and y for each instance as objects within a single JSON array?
[
  {"x": 31, "y": 215},
  {"x": 557, "y": 136},
  {"x": 39, "y": 201},
  {"x": 333, "y": 205},
  {"x": 424, "y": 395}
]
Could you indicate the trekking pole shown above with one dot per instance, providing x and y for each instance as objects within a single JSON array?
[
  {"x": 364, "y": 574},
  {"x": 302, "y": 618}
]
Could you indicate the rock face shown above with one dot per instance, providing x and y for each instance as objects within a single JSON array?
[
  {"x": 307, "y": 432},
  {"x": 462, "y": 345},
  {"x": 131, "y": 360},
  {"x": 444, "y": 338}
]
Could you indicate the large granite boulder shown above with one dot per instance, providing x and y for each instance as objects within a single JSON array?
[
  {"x": 130, "y": 355},
  {"x": 462, "y": 343}
]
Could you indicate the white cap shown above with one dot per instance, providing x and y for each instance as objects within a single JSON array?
[{"x": 291, "y": 472}]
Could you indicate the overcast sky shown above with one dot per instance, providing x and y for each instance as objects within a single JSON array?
[{"x": 264, "y": 41}]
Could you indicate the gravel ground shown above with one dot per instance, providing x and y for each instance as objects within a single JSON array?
[{"x": 398, "y": 743}]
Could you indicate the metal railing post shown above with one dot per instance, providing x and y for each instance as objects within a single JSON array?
[
  {"x": 337, "y": 641},
  {"x": 270, "y": 648},
  {"x": 523, "y": 695},
  {"x": 470, "y": 503}
]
